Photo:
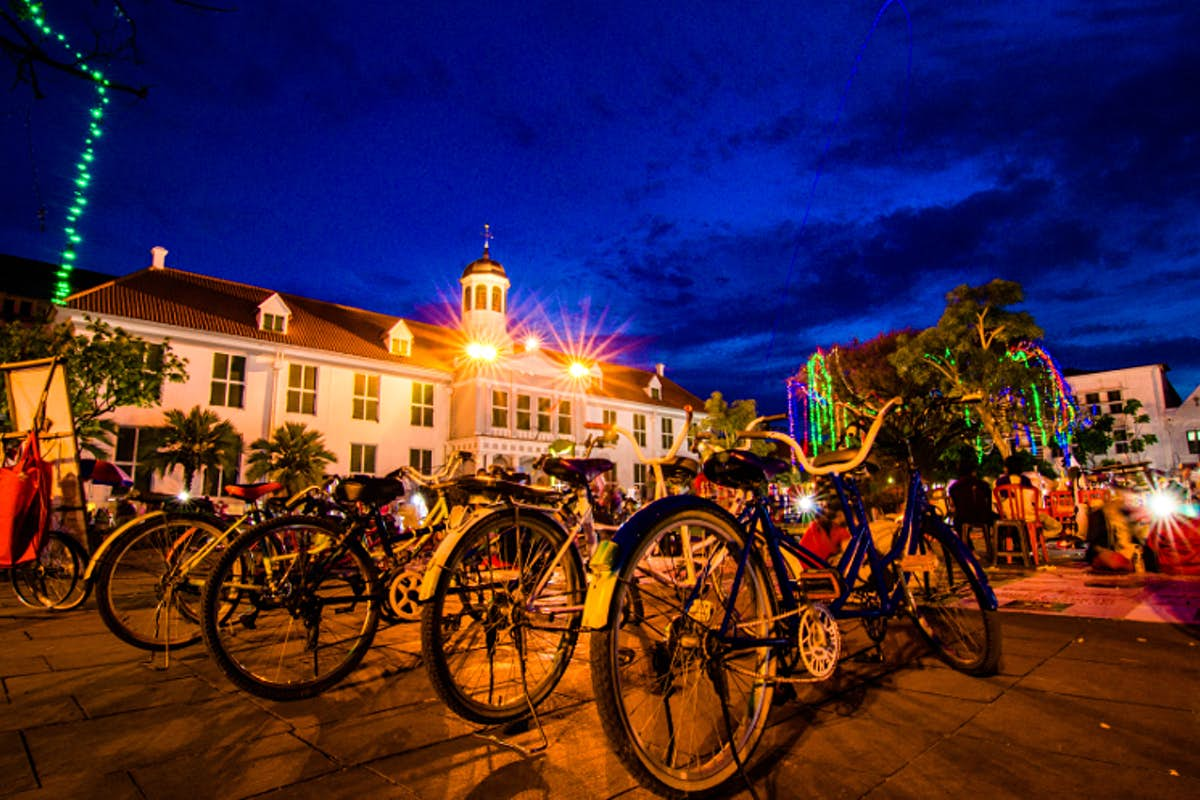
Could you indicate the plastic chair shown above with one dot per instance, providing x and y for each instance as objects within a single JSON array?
[
  {"x": 1018, "y": 531},
  {"x": 1060, "y": 504}
]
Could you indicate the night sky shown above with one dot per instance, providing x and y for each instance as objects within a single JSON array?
[{"x": 722, "y": 187}]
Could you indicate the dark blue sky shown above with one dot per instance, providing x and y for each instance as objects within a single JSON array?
[{"x": 723, "y": 187}]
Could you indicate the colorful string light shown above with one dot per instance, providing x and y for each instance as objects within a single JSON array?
[{"x": 83, "y": 175}]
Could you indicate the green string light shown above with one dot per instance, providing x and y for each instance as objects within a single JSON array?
[{"x": 83, "y": 177}]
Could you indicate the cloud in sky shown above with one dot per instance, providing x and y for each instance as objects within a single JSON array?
[{"x": 733, "y": 186}]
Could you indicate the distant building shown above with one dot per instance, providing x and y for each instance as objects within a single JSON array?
[
  {"x": 1107, "y": 392},
  {"x": 28, "y": 286},
  {"x": 384, "y": 390}
]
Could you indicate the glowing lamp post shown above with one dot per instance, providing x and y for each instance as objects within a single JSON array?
[{"x": 480, "y": 351}]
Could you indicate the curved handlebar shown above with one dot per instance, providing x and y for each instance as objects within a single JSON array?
[
  {"x": 658, "y": 461},
  {"x": 809, "y": 466}
]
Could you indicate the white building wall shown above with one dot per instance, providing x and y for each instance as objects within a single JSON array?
[
  {"x": 1143, "y": 383},
  {"x": 265, "y": 399}
]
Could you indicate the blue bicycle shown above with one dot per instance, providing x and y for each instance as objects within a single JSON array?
[{"x": 729, "y": 607}]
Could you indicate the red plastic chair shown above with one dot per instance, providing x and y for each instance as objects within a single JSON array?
[{"x": 1019, "y": 525}]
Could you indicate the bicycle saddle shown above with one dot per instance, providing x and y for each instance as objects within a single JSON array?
[
  {"x": 576, "y": 471},
  {"x": 493, "y": 488},
  {"x": 680, "y": 469},
  {"x": 251, "y": 491},
  {"x": 742, "y": 469},
  {"x": 368, "y": 489}
]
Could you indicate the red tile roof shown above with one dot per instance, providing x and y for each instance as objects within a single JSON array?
[{"x": 188, "y": 300}]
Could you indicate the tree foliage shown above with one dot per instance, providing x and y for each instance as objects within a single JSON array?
[
  {"x": 294, "y": 456},
  {"x": 106, "y": 367},
  {"x": 966, "y": 354},
  {"x": 195, "y": 441},
  {"x": 723, "y": 421}
]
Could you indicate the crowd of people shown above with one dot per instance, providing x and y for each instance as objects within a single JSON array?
[{"x": 1125, "y": 520}]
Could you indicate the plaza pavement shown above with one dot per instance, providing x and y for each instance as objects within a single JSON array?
[{"x": 1085, "y": 705}]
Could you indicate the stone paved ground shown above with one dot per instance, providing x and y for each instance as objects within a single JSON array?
[{"x": 1082, "y": 707}]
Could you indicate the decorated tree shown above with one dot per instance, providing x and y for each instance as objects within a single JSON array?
[
  {"x": 980, "y": 348},
  {"x": 837, "y": 393}
]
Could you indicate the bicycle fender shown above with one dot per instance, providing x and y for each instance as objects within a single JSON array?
[
  {"x": 610, "y": 557},
  {"x": 106, "y": 545},
  {"x": 946, "y": 535},
  {"x": 441, "y": 553}
]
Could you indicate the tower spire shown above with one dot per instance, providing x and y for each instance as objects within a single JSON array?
[{"x": 487, "y": 237}]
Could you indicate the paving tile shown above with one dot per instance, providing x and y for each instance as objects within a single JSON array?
[
  {"x": 14, "y": 765},
  {"x": 117, "y": 785},
  {"x": 1155, "y": 685},
  {"x": 1139, "y": 735},
  {"x": 137, "y": 738},
  {"x": 352, "y": 783},
  {"x": 369, "y": 736},
  {"x": 982, "y": 768},
  {"x": 250, "y": 767}
]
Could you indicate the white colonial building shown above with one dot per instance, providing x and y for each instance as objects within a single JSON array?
[
  {"x": 384, "y": 391},
  {"x": 1107, "y": 393}
]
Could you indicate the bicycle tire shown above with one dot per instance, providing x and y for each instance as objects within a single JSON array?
[
  {"x": 947, "y": 603},
  {"x": 657, "y": 673},
  {"x": 140, "y": 593},
  {"x": 479, "y": 600},
  {"x": 305, "y": 608},
  {"x": 54, "y": 580}
]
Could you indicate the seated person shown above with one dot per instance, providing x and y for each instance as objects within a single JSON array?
[{"x": 971, "y": 498}]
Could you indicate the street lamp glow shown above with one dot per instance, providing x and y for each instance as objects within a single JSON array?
[
  {"x": 482, "y": 352},
  {"x": 578, "y": 370},
  {"x": 532, "y": 343}
]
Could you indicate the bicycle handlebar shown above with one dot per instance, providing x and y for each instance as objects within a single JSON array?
[
  {"x": 658, "y": 461},
  {"x": 841, "y": 466}
]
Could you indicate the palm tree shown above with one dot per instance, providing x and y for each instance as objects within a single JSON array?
[
  {"x": 294, "y": 456},
  {"x": 195, "y": 441}
]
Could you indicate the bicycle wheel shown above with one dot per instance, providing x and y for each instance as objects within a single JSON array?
[
  {"x": 498, "y": 633},
  {"x": 149, "y": 584},
  {"x": 682, "y": 708},
  {"x": 947, "y": 604},
  {"x": 305, "y": 608},
  {"x": 54, "y": 580}
]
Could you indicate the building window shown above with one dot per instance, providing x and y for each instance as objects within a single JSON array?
[
  {"x": 466, "y": 298},
  {"x": 609, "y": 417},
  {"x": 481, "y": 298},
  {"x": 228, "y": 381},
  {"x": 497, "y": 301},
  {"x": 639, "y": 429},
  {"x": 422, "y": 404},
  {"x": 668, "y": 433},
  {"x": 362, "y": 458},
  {"x": 564, "y": 417},
  {"x": 1121, "y": 440},
  {"x": 639, "y": 479},
  {"x": 421, "y": 460},
  {"x": 302, "y": 389},
  {"x": 274, "y": 323},
  {"x": 544, "y": 414},
  {"x": 524, "y": 416},
  {"x": 214, "y": 480},
  {"x": 499, "y": 409},
  {"x": 655, "y": 393},
  {"x": 366, "y": 397},
  {"x": 399, "y": 346},
  {"x": 1115, "y": 406},
  {"x": 1193, "y": 442},
  {"x": 126, "y": 455}
]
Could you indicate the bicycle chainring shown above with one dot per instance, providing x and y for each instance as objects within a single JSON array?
[{"x": 819, "y": 641}]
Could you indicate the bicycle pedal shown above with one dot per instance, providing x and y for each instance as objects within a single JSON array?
[{"x": 819, "y": 584}]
